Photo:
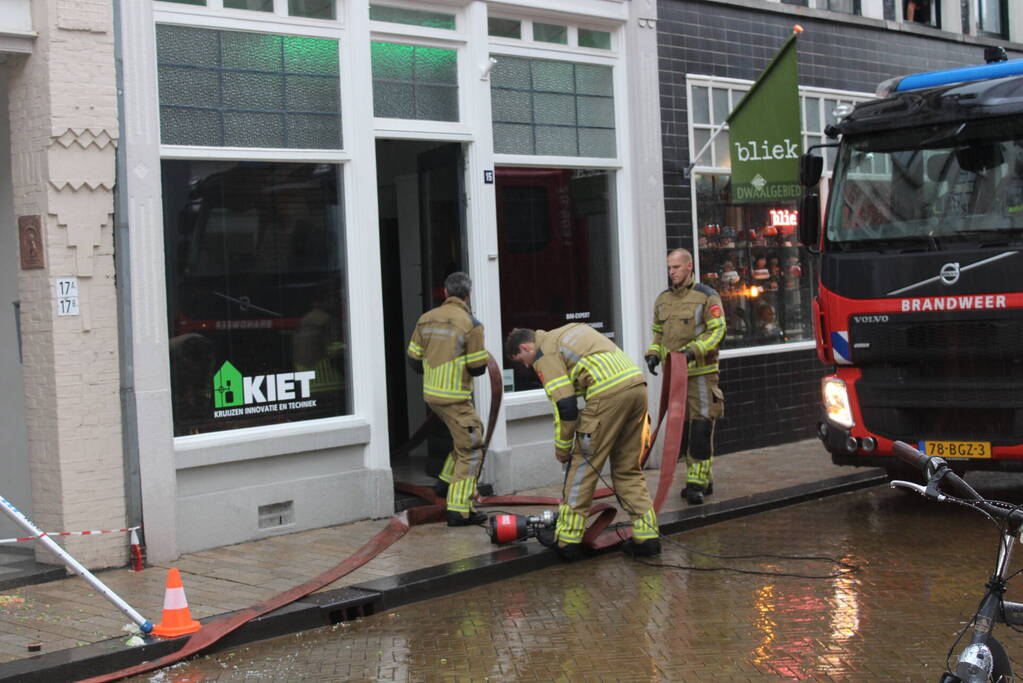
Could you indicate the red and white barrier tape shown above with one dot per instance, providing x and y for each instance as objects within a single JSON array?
[{"x": 71, "y": 533}]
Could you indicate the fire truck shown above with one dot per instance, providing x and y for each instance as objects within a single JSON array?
[{"x": 919, "y": 304}]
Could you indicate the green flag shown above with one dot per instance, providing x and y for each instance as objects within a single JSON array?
[{"x": 766, "y": 135}]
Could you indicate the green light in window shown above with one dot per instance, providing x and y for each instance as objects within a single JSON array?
[{"x": 311, "y": 55}]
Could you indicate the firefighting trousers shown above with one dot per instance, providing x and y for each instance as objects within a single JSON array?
[
  {"x": 705, "y": 404},
  {"x": 609, "y": 428},
  {"x": 466, "y": 457}
]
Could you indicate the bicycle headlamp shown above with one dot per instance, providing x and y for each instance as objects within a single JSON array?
[{"x": 836, "y": 402}]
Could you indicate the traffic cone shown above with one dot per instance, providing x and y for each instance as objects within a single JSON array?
[{"x": 177, "y": 621}]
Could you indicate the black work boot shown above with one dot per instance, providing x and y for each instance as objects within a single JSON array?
[
  {"x": 546, "y": 537},
  {"x": 693, "y": 494},
  {"x": 569, "y": 552},
  {"x": 645, "y": 548},
  {"x": 475, "y": 517},
  {"x": 440, "y": 487}
]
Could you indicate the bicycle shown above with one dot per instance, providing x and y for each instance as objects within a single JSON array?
[{"x": 984, "y": 660}]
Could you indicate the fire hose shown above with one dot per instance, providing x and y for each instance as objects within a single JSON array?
[{"x": 673, "y": 400}]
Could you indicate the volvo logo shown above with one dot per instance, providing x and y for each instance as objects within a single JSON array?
[
  {"x": 949, "y": 273},
  {"x": 870, "y": 318}
]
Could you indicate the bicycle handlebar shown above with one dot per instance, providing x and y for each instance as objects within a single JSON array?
[
  {"x": 911, "y": 456},
  {"x": 930, "y": 465}
]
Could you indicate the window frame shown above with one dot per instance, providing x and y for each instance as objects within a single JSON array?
[
  {"x": 1003, "y": 18},
  {"x": 197, "y": 16},
  {"x": 736, "y": 88}
]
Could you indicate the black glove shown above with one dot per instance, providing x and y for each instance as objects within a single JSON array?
[
  {"x": 689, "y": 355},
  {"x": 652, "y": 362}
]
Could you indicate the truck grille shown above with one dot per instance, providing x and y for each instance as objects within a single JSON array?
[
  {"x": 912, "y": 337},
  {"x": 979, "y": 409}
]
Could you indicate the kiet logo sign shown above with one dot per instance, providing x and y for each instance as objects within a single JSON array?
[{"x": 231, "y": 389}]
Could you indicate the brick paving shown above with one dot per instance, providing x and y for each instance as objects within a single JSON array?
[
  {"x": 614, "y": 619},
  {"x": 68, "y": 613}
]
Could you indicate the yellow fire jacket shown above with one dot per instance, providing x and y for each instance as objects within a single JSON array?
[
  {"x": 690, "y": 317},
  {"x": 576, "y": 360},
  {"x": 449, "y": 342}
]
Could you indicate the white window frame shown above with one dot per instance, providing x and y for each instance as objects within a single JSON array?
[
  {"x": 216, "y": 18},
  {"x": 737, "y": 88},
  {"x": 623, "y": 244}
]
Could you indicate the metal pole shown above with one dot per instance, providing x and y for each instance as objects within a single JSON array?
[{"x": 15, "y": 514}]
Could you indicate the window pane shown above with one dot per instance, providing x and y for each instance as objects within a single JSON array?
[
  {"x": 720, "y": 101},
  {"x": 847, "y": 6},
  {"x": 700, "y": 106},
  {"x": 722, "y": 150},
  {"x": 812, "y": 114},
  {"x": 314, "y": 9},
  {"x": 554, "y": 238},
  {"x": 751, "y": 255},
  {"x": 414, "y": 82},
  {"x": 414, "y": 17},
  {"x": 504, "y": 28},
  {"x": 188, "y": 2},
  {"x": 991, "y": 16},
  {"x": 550, "y": 33},
  {"x": 256, "y": 293},
  {"x": 233, "y": 88},
  {"x": 550, "y": 93},
  {"x": 700, "y": 138},
  {"x": 598, "y": 39},
  {"x": 255, "y": 5}
]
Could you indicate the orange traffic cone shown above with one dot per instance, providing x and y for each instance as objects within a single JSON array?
[{"x": 177, "y": 621}]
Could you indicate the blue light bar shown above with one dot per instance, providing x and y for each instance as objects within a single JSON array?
[{"x": 961, "y": 75}]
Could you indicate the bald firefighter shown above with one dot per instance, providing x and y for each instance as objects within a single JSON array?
[
  {"x": 689, "y": 318},
  {"x": 576, "y": 360},
  {"x": 447, "y": 349}
]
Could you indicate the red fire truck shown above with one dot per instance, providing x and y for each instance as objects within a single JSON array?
[{"x": 919, "y": 308}]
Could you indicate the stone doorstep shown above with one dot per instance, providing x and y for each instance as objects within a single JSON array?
[{"x": 344, "y": 604}]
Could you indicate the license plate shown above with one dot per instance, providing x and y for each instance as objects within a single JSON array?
[{"x": 958, "y": 449}]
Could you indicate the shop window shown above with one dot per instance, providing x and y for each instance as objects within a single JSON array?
[
  {"x": 993, "y": 17},
  {"x": 596, "y": 39},
  {"x": 555, "y": 230},
  {"x": 552, "y": 108},
  {"x": 313, "y": 9},
  {"x": 414, "y": 82},
  {"x": 550, "y": 33},
  {"x": 750, "y": 254},
  {"x": 253, "y": 5},
  {"x": 412, "y": 17},
  {"x": 504, "y": 28},
  {"x": 239, "y": 89},
  {"x": 256, "y": 293},
  {"x": 187, "y": 2}
]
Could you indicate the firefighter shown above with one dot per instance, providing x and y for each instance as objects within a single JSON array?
[
  {"x": 577, "y": 360},
  {"x": 688, "y": 317},
  {"x": 447, "y": 349}
]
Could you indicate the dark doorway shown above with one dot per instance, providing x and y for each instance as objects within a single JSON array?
[{"x": 421, "y": 197}]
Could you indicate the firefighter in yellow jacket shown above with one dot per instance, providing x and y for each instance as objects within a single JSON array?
[
  {"x": 447, "y": 349},
  {"x": 689, "y": 318},
  {"x": 576, "y": 360}
]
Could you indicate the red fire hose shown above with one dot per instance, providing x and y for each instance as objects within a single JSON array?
[{"x": 673, "y": 401}]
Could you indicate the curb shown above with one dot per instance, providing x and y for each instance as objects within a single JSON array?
[{"x": 351, "y": 602}]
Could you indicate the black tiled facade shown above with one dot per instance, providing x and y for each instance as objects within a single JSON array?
[{"x": 772, "y": 398}]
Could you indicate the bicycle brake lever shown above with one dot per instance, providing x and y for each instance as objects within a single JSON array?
[{"x": 897, "y": 483}]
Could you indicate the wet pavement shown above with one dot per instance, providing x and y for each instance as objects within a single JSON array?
[{"x": 920, "y": 572}]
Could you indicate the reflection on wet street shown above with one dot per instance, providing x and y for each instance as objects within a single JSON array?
[{"x": 615, "y": 619}]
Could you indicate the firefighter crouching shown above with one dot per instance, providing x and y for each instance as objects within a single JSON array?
[
  {"x": 447, "y": 349},
  {"x": 577, "y": 360},
  {"x": 689, "y": 318}
]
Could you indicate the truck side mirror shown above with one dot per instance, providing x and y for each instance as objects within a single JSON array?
[
  {"x": 810, "y": 168},
  {"x": 810, "y": 220}
]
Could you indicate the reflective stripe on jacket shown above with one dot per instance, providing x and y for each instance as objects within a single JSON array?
[
  {"x": 448, "y": 340},
  {"x": 689, "y": 316}
]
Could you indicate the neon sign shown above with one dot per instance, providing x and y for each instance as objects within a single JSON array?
[{"x": 784, "y": 218}]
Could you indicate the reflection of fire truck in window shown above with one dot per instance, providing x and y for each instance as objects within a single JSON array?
[{"x": 254, "y": 274}]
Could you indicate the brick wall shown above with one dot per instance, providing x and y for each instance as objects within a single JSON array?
[{"x": 63, "y": 112}]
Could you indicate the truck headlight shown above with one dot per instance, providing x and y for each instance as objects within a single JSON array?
[{"x": 836, "y": 402}]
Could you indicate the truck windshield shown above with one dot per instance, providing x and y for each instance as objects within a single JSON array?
[{"x": 958, "y": 181}]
